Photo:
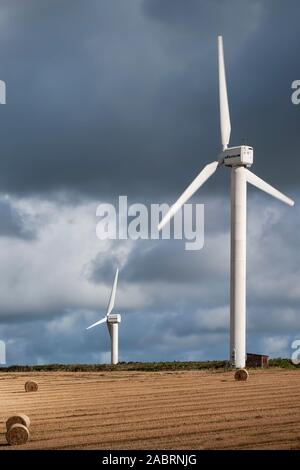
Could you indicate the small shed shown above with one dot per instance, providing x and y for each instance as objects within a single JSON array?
[{"x": 257, "y": 360}]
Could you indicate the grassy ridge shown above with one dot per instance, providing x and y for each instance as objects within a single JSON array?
[
  {"x": 139, "y": 366},
  {"x": 122, "y": 366}
]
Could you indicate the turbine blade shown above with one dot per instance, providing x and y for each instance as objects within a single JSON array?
[
  {"x": 267, "y": 188},
  {"x": 207, "y": 171},
  {"x": 97, "y": 323},
  {"x": 111, "y": 302},
  {"x": 224, "y": 108}
]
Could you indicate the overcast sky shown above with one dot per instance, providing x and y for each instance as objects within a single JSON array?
[{"x": 109, "y": 98}]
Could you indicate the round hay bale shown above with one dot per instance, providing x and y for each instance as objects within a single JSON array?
[
  {"x": 17, "y": 435},
  {"x": 31, "y": 386},
  {"x": 241, "y": 375},
  {"x": 18, "y": 419}
]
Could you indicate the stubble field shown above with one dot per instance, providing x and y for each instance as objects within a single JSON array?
[{"x": 155, "y": 410}]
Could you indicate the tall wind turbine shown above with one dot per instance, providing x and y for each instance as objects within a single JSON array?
[
  {"x": 112, "y": 321},
  {"x": 238, "y": 159}
]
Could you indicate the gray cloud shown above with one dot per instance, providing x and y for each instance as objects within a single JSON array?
[{"x": 14, "y": 223}]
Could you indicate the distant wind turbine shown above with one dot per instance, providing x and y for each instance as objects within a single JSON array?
[
  {"x": 112, "y": 321},
  {"x": 238, "y": 159}
]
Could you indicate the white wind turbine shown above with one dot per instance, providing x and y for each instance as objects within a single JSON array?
[
  {"x": 238, "y": 159},
  {"x": 112, "y": 321}
]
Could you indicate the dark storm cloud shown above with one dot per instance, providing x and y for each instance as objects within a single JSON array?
[
  {"x": 167, "y": 261},
  {"x": 105, "y": 98},
  {"x": 99, "y": 270},
  {"x": 202, "y": 18}
]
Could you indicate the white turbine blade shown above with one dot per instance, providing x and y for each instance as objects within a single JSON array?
[
  {"x": 111, "y": 302},
  {"x": 207, "y": 171},
  {"x": 97, "y": 323},
  {"x": 224, "y": 108},
  {"x": 267, "y": 188}
]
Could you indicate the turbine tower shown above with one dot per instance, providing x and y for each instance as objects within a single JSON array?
[
  {"x": 112, "y": 321},
  {"x": 239, "y": 159}
]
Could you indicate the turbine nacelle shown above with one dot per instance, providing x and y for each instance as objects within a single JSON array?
[
  {"x": 114, "y": 318},
  {"x": 237, "y": 156}
]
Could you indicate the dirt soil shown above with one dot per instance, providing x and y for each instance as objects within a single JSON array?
[{"x": 160, "y": 410}]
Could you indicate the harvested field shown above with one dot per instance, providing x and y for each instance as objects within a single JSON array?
[{"x": 160, "y": 410}]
